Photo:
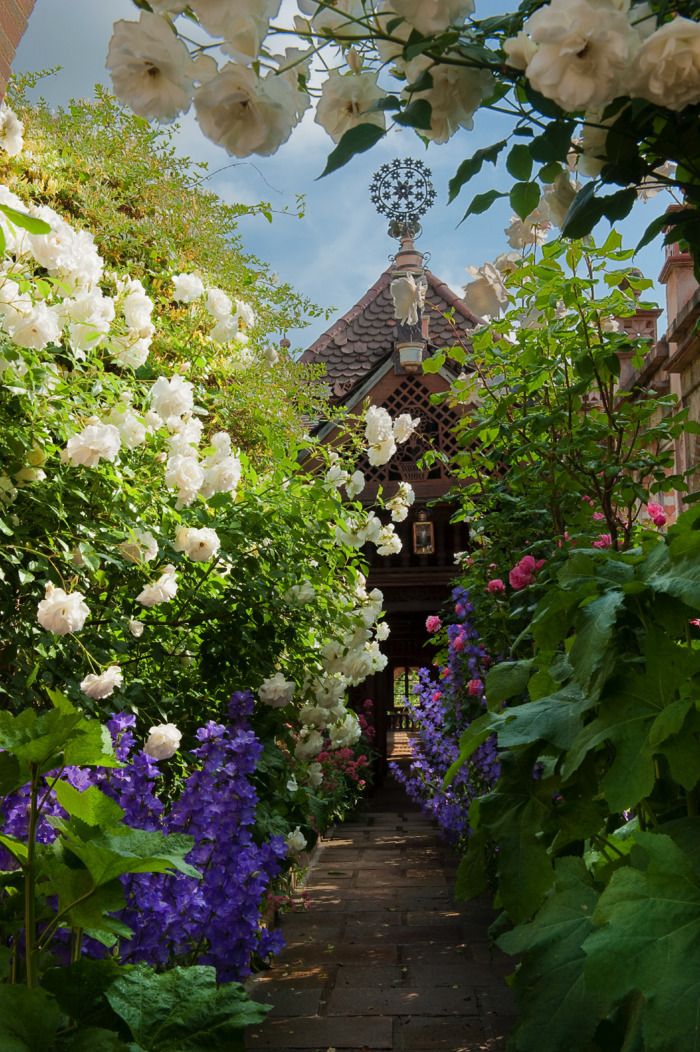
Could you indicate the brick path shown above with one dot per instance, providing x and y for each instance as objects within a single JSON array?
[{"x": 384, "y": 959}]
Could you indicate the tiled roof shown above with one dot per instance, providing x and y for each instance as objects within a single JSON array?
[{"x": 364, "y": 336}]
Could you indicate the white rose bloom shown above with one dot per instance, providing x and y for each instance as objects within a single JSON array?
[
  {"x": 486, "y": 295},
  {"x": 667, "y": 67},
  {"x": 137, "y": 308},
  {"x": 584, "y": 50},
  {"x": 345, "y": 733},
  {"x": 296, "y": 841},
  {"x": 136, "y": 628},
  {"x": 14, "y": 305},
  {"x": 169, "y": 7},
  {"x": 300, "y": 594},
  {"x": 355, "y": 484},
  {"x": 66, "y": 253},
  {"x": 270, "y": 355},
  {"x": 62, "y": 612},
  {"x": 151, "y": 69},
  {"x": 130, "y": 351},
  {"x": 329, "y": 690},
  {"x": 222, "y": 470},
  {"x": 372, "y": 529},
  {"x": 292, "y": 784},
  {"x": 11, "y": 131},
  {"x": 314, "y": 774},
  {"x": 171, "y": 398},
  {"x": 276, "y": 691},
  {"x": 433, "y": 16},
  {"x": 162, "y": 590},
  {"x": 96, "y": 442},
  {"x": 142, "y": 547},
  {"x": 378, "y": 425},
  {"x": 308, "y": 746},
  {"x": 295, "y": 63},
  {"x": 404, "y": 427},
  {"x": 245, "y": 314},
  {"x": 218, "y": 304},
  {"x": 532, "y": 230},
  {"x": 103, "y": 685},
  {"x": 314, "y": 716},
  {"x": 408, "y": 297},
  {"x": 225, "y": 330},
  {"x": 558, "y": 197},
  {"x": 339, "y": 17},
  {"x": 383, "y": 631},
  {"x": 382, "y": 452},
  {"x": 188, "y": 433},
  {"x": 37, "y": 329},
  {"x": 131, "y": 430},
  {"x": 200, "y": 545},
  {"x": 388, "y": 542},
  {"x": 345, "y": 102},
  {"x": 336, "y": 476},
  {"x": 454, "y": 97},
  {"x": 185, "y": 474},
  {"x": 88, "y": 317},
  {"x": 163, "y": 741},
  {"x": 520, "y": 50},
  {"x": 245, "y": 113},
  {"x": 187, "y": 288},
  {"x": 401, "y": 502}
]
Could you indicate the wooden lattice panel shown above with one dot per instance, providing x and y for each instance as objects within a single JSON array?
[{"x": 436, "y": 431}]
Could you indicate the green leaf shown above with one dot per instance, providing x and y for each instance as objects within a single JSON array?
[
  {"x": 554, "y": 143},
  {"x": 79, "y": 989},
  {"x": 475, "y": 735},
  {"x": 681, "y": 580},
  {"x": 618, "y": 205},
  {"x": 417, "y": 114},
  {"x": 597, "y": 621},
  {"x": 17, "y": 848},
  {"x": 183, "y": 1010},
  {"x": 669, "y": 721},
  {"x": 555, "y": 719},
  {"x": 107, "y": 855},
  {"x": 433, "y": 364},
  {"x": 472, "y": 165},
  {"x": 28, "y": 1019},
  {"x": 519, "y": 162},
  {"x": 649, "y": 917},
  {"x": 29, "y": 223},
  {"x": 583, "y": 214},
  {"x": 506, "y": 680},
  {"x": 96, "y": 1039},
  {"x": 556, "y": 1009},
  {"x": 481, "y": 203},
  {"x": 541, "y": 103},
  {"x": 91, "y": 805},
  {"x": 356, "y": 140},
  {"x": 524, "y": 197},
  {"x": 513, "y": 816}
]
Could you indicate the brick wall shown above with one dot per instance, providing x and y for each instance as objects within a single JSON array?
[{"x": 13, "y": 21}]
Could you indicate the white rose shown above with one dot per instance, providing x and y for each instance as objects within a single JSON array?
[
  {"x": 136, "y": 628},
  {"x": 245, "y": 113},
  {"x": 11, "y": 131},
  {"x": 584, "y": 50},
  {"x": 163, "y": 741},
  {"x": 308, "y": 746},
  {"x": 313, "y": 716},
  {"x": 170, "y": 398},
  {"x": 388, "y": 542},
  {"x": 382, "y": 631},
  {"x": 404, "y": 427},
  {"x": 200, "y": 545},
  {"x": 276, "y": 691},
  {"x": 336, "y": 476},
  {"x": 454, "y": 97},
  {"x": 103, "y": 685},
  {"x": 558, "y": 197},
  {"x": 187, "y": 288},
  {"x": 532, "y": 230},
  {"x": 132, "y": 431},
  {"x": 667, "y": 67},
  {"x": 300, "y": 594},
  {"x": 62, "y": 612},
  {"x": 96, "y": 442},
  {"x": 296, "y": 841},
  {"x": 37, "y": 329},
  {"x": 378, "y": 425},
  {"x": 519, "y": 50},
  {"x": 245, "y": 314},
  {"x": 345, "y": 102},
  {"x": 381, "y": 452},
  {"x": 184, "y": 474},
  {"x": 131, "y": 350},
  {"x": 433, "y": 16},
  {"x": 314, "y": 774},
  {"x": 355, "y": 484},
  {"x": 345, "y": 733},
  {"x": 161, "y": 591},
  {"x": 218, "y": 304},
  {"x": 140, "y": 547},
  {"x": 151, "y": 69},
  {"x": 486, "y": 295},
  {"x": 66, "y": 253},
  {"x": 89, "y": 317}
]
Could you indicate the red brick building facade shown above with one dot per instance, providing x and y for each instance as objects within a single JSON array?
[{"x": 14, "y": 15}]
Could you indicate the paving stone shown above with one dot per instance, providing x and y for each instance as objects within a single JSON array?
[
  {"x": 355, "y": 975},
  {"x": 449, "y": 1035},
  {"x": 403, "y": 1001},
  {"x": 310, "y": 1032},
  {"x": 287, "y": 1000}
]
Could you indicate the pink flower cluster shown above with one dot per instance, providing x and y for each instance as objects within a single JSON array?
[
  {"x": 433, "y": 623},
  {"x": 524, "y": 572},
  {"x": 474, "y": 688},
  {"x": 496, "y": 586},
  {"x": 604, "y": 541},
  {"x": 656, "y": 513},
  {"x": 344, "y": 761}
]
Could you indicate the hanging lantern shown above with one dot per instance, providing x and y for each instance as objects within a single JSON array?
[{"x": 423, "y": 535}]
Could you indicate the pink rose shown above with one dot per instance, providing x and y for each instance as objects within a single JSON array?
[
  {"x": 496, "y": 586},
  {"x": 604, "y": 541},
  {"x": 474, "y": 687},
  {"x": 598, "y": 516},
  {"x": 433, "y": 623}
]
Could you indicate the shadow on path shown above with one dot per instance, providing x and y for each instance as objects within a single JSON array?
[{"x": 384, "y": 959}]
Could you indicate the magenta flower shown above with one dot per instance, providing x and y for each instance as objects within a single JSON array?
[
  {"x": 656, "y": 513},
  {"x": 604, "y": 541},
  {"x": 474, "y": 687},
  {"x": 433, "y": 623},
  {"x": 496, "y": 586}
]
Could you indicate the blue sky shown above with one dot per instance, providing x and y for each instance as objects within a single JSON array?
[{"x": 341, "y": 246}]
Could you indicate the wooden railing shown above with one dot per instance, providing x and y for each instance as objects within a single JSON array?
[{"x": 400, "y": 720}]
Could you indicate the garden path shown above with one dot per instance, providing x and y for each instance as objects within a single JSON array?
[{"x": 384, "y": 959}]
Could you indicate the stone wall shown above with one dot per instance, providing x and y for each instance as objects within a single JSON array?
[{"x": 14, "y": 15}]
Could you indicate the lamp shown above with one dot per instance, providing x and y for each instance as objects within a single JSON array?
[
  {"x": 410, "y": 356},
  {"x": 423, "y": 535}
]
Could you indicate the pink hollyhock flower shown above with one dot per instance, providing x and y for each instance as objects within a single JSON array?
[
  {"x": 656, "y": 513},
  {"x": 433, "y": 623},
  {"x": 436, "y": 695},
  {"x": 598, "y": 516},
  {"x": 459, "y": 643},
  {"x": 474, "y": 687},
  {"x": 604, "y": 541},
  {"x": 695, "y": 622},
  {"x": 587, "y": 500},
  {"x": 496, "y": 586}
]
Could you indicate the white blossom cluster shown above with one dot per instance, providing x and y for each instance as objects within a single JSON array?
[{"x": 231, "y": 319}]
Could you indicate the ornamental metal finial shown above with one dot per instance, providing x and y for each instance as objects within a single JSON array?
[{"x": 403, "y": 192}]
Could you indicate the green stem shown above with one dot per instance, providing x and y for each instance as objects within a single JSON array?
[{"x": 30, "y": 881}]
